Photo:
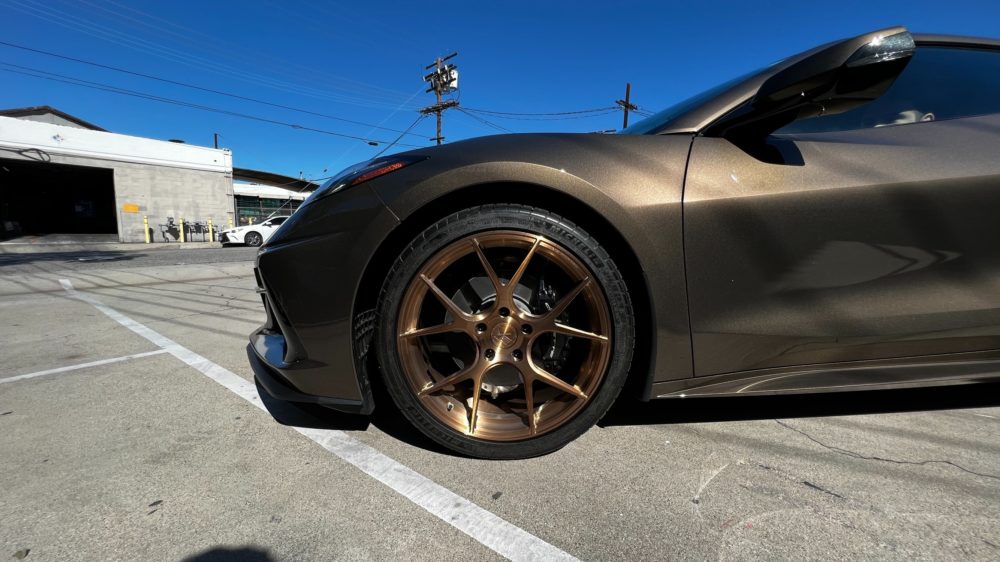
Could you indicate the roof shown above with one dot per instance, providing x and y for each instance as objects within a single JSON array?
[
  {"x": 40, "y": 138},
  {"x": 277, "y": 180},
  {"x": 268, "y": 192},
  {"x": 46, "y": 109}
]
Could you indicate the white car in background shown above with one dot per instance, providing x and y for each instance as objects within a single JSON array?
[{"x": 252, "y": 234}]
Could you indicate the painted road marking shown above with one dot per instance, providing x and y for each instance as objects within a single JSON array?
[
  {"x": 490, "y": 530},
  {"x": 80, "y": 366}
]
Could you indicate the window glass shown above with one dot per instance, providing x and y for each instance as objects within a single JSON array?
[
  {"x": 277, "y": 220},
  {"x": 651, "y": 125},
  {"x": 938, "y": 83}
]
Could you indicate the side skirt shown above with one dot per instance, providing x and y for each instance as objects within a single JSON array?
[{"x": 933, "y": 370}]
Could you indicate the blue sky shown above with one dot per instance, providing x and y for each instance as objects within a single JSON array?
[{"x": 364, "y": 61}]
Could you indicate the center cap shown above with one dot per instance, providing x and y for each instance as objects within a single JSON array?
[{"x": 504, "y": 334}]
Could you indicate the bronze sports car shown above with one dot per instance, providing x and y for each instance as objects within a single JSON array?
[{"x": 830, "y": 222}]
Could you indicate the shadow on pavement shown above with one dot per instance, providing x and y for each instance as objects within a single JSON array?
[
  {"x": 82, "y": 256},
  {"x": 386, "y": 418},
  {"x": 235, "y": 554},
  {"x": 628, "y": 411},
  {"x": 313, "y": 416}
]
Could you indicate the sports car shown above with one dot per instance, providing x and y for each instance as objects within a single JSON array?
[
  {"x": 251, "y": 234},
  {"x": 826, "y": 223}
]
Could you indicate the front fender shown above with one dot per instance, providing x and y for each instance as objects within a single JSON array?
[{"x": 634, "y": 182}]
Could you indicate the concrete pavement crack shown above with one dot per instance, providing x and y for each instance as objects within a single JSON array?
[{"x": 857, "y": 455}]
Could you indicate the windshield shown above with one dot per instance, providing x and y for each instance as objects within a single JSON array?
[{"x": 658, "y": 121}]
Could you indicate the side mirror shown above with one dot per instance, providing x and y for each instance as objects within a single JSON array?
[{"x": 830, "y": 79}]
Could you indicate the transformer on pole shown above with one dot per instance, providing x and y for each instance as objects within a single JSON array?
[{"x": 443, "y": 80}]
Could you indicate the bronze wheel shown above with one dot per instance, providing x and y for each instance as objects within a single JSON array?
[{"x": 503, "y": 336}]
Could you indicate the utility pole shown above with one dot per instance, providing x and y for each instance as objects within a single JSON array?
[
  {"x": 626, "y": 105},
  {"x": 216, "y": 139},
  {"x": 443, "y": 80}
]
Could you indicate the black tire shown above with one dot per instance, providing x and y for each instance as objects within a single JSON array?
[
  {"x": 253, "y": 239},
  {"x": 483, "y": 219}
]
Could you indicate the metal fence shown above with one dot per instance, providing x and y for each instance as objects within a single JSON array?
[{"x": 179, "y": 229}]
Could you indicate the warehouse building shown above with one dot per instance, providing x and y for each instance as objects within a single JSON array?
[{"x": 61, "y": 174}]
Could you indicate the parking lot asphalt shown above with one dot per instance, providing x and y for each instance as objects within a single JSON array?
[{"x": 116, "y": 446}]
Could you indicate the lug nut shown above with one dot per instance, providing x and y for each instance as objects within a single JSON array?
[
  {"x": 490, "y": 354},
  {"x": 526, "y": 329},
  {"x": 480, "y": 328},
  {"x": 505, "y": 312},
  {"x": 517, "y": 355}
]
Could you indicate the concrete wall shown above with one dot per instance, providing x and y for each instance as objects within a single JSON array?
[
  {"x": 161, "y": 192},
  {"x": 163, "y": 179}
]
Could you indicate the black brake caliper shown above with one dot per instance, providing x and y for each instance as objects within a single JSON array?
[{"x": 553, "y": 349}]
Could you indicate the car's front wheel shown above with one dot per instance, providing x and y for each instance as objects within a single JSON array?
[
  {"x": 253, "y": 239},
  {"x": 504, "y": 331}
]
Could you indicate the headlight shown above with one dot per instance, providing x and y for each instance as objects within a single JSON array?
[{"x": 362, "y": 172}]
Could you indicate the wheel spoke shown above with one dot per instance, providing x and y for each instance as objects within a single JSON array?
[
  {"x": 431, "y": 330},
  {"x": 466, "y": 373},
  {"x": 490, "y": 272},
  {"x": 567, "y": 299},
  {"x": 476, "y": 392},
  {"x": 443, "y": 298},
  {"x": 577, "y": 333},
  {"x": 554, "y": 381},
  {"x": 511, "y": 285},
  {"x": 529, "y": 400}
]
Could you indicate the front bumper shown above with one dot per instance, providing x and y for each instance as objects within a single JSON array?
[
  {"x": 231, "y": 238},
  {"x": 309, "y": 349}
]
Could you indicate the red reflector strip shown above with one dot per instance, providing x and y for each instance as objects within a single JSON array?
[{"x": 376, "y": 173}]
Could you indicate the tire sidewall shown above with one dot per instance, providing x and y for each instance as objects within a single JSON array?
[{"x": 505, "y": 217}]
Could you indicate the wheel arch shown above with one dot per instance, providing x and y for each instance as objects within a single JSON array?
[{"x": 641, "y": 372}]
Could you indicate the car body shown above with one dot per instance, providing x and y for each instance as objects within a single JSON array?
[
  {"x": 769, "y": 244},
  {"x": 252, "y": 234}
]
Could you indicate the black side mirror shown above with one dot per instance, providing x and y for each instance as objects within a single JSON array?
[{"x": 828, "y": 80}]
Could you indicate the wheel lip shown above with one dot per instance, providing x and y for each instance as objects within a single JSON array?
[{"x": 414, "y": 293}]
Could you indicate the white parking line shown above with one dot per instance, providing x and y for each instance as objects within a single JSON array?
[
  {"x": 80, "y": 366},
  {"x": 491, "y": 531}
]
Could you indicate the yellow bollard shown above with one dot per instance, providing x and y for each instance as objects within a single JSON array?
[
  {"x": 230, "y": 222},
  {"x": 251, "y": 220},
  {"x": 182, "y": 231},
  {"x": 211, "y": 232},
  {"x": 145, "y": 227}
]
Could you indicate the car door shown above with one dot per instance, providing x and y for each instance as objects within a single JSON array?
[
  {"x": 268, "y": 227},
  {"x": 875, "y": 234}
]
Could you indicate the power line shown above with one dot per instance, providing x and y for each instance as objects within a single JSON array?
[
  {"x": 194, "y": 87},
  {"x": 568, "y": 116},
  {"x": 419, "y": 119},
  {"x": 112, "y": 35},
  {"x": 594, "y": 110},
  {"x": 236, "y": 51},
  {"x": 133, "y": 93},
  {"x": 484, "y": 121}
]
